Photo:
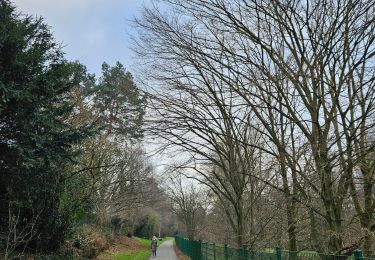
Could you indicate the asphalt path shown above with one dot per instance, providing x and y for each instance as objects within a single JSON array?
[{"x": 165, "y": 251}]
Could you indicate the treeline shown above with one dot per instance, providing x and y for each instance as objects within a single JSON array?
[
  {"x": 269, "y": 104},
  {"x": 70, "y": 146}
]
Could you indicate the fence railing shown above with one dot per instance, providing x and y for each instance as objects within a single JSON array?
[{"x": 198, "y": 250}]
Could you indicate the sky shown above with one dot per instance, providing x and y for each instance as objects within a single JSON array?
[{"x": 91, "y": 31}]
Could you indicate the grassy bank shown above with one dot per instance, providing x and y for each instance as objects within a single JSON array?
[{"x": 138, "y": 255}]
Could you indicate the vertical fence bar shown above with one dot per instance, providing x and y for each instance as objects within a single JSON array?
[
  {"x": 192, "y": 249},
  {"x": 358, "y": 255},
  {"x": 278, "y": 253},
  {"x": 209, "y": 253},
  {"x": 199, "y": 251},
  {"x": 226, "y": 252},
  {"x": 245, "y": 252},
  {"x": 202, "y": 250},
  {"x": 205, "y": 250},
  {"x": 197, "y": 248}
]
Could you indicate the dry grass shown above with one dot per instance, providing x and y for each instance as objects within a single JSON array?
[{"x": 88, "y": 242}]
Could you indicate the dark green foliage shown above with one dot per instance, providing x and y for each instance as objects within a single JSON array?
[
  {"x": 145, "y": 228},
  {"x": 117, "y": 224},
  {"x": 35, "y": 140},
  {"x": 119, "y": 102}
]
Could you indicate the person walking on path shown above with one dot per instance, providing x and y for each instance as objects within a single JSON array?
[
  {"x": 154, "y": 246},
  {"x": 165, "y": 251}
]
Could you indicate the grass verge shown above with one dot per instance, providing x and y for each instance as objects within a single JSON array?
[
  {"x": 138, "y": 255},
  {"x": 142, "y": 254},
  {"x": 147, "y": 242}
]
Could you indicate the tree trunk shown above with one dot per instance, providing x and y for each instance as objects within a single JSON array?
[
  {"x": 331, "y": 200},
  {"x": 314, "y": 239},
  {"x": 240, "y": 225},
  {"x": 290, "y": 205},
  {"x": 367, "y": 215}
]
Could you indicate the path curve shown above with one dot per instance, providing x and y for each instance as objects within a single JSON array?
[{"x": 165, "y": 251}]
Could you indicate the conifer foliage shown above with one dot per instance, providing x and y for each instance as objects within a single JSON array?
[{"x": 35, "y": 140}]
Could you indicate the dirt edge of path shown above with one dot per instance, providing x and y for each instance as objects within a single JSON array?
[{"x": 179, "y": 254}]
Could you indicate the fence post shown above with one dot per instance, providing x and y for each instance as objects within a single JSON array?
[
  {"x": 214, "y": 249},
  {"x": 204, "y": 250},
  {"x": 226, "y": 252},
  {"x": 245, "y": 252},
  {"x": 193, "y": 248},
  {"x": 278, "y": 253},
  {"x": 199, "y": 251},
  {"x": 358, "y": 255}
]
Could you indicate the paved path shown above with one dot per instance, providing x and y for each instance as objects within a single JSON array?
[{"x": 165, "y": 251}]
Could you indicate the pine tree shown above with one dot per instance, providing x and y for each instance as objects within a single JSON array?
[{"x": 119, "y": 102}]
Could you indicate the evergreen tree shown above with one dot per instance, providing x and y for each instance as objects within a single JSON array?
[
  {"x": 36, "y": 143},
  {"x": 119, "y": 102}
]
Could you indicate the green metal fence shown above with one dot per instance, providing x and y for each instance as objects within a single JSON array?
[{"x": 198, "y": 250}]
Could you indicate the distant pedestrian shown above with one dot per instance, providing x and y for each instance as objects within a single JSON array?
[{"x": 154, "y": 245}]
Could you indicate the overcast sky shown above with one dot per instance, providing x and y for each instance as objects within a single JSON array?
[{"x": 92, "y": 31}]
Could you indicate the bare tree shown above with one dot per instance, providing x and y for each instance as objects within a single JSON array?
[
  {"x": 189, "y": 203},
  {"x": 201, "y": 121},
  {"x": 304, "y": 69},
  {"x": 200, "y": 114},
  {"x": 18, "y": 234},
  {"x": 122, "y": 184}
]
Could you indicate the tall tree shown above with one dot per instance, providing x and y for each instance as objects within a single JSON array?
[
  {"x": 113, "y": 162},
  {"x": 118, "y": 102},
  {"x": 188, "y": 204},
  {"x": 197, "y": 114},
  {"x": 35, "y": 141},
  {"x": 305, "y": 70}
]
